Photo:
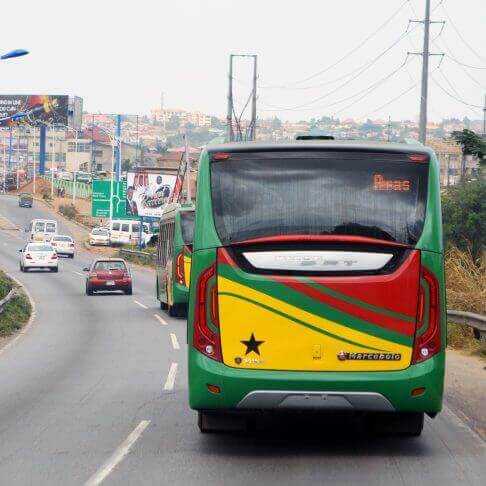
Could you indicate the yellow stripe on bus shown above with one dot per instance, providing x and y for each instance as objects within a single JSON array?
[
  {"x": 187, "y": 270},
  {"x": 288, "y": 345}
]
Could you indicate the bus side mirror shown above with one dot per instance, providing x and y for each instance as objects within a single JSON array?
[{"x": 20, "y": 251}]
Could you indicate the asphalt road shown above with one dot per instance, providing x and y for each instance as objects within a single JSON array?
[{"x": 96, "y": 390}]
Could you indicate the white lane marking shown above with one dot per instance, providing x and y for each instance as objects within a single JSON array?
[
  {"x": 143, "y": 306},
  {"x": 175, "y": 342},
  {"x": 161, "y": 320},
  {"x": 171, "y": 376},
  {"x": 80, "y": 274},
  {"x": 118, "y": 455}
]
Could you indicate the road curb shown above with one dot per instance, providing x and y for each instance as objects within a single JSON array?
[{"x": 31, "y": 320}]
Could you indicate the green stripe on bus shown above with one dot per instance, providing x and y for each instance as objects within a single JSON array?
[
  {"x": 286, "y": 294},
  {"x": 298, "y": 321},
  {"x": 358, "y": 302}
]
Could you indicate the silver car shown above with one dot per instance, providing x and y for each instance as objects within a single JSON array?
[
  {"x": 38, "y": 255},
  {"x": 63, "y": 244}
]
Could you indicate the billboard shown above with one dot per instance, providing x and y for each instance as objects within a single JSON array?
[
  {"x": 148, "y": 193},
  {"x": 33, "y": 110},
  {"x": 100, "y": 199}
]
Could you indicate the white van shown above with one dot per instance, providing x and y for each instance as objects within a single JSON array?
[
  {"x": 42, "y": 229},
  {"x": 127, "y": 232}
]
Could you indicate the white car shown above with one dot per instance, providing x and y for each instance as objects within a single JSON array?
[
  {"x": 99, "y": 236},
  {"x": 63, "y": 244},
  {"x": 38, "y": 255}
]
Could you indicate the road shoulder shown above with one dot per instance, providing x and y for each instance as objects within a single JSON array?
[
  {"x": 20, "y": 313},
  {"x": 465, "y": 389}
]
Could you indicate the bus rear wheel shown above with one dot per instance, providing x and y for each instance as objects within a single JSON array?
[
  {"x": 214, "y": 422},
  {"x": 178, "y": 310},
  {"x": 403, "y": 424}
]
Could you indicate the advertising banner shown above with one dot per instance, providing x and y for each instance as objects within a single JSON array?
[
  {"x": 148, "y": 193},
  {"x": 100, "y": 199},
  {"x": 33, "y": 110}
]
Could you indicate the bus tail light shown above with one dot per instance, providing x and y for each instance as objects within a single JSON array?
[
  {"x": 179, "y": 269},
  {"x": 419, "y": 157},
  {"x": 429, "y": 343},
  {"x": 28, "y": 256},
  {"x": 205, "y": 340}
]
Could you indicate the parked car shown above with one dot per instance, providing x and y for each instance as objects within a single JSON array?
[
  {"x": 65, "y": 175},
  {"x": 25, "y": 200},
  {"x": 108, "y": 274},
  {"x": 42, "y": 229},
  {"x": 127, "y": 232},
  {"x": 84, "y": 177},
  {"x": 63, "y": 244},
  {"x": 99, "y": 236},
  {"x": 38, "y": 255}
]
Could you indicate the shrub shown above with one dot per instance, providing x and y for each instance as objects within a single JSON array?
[
  {"x": 466, "y": 281},
  {"x": 68, "y": 210},
  {"x": 464, "y": 214}
]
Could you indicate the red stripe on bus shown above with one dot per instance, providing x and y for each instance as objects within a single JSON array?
[{"x": 380, "y": 320}]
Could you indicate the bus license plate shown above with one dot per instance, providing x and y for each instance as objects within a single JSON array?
[{"x": 110, "y": 282}]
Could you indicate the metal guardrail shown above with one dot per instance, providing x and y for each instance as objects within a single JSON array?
[
  {"x": 141, "y": 254},
  {"x": 476, "y": 321},
  {"x": 82, "y": 190},
  {"x": 12, "y": 294}
]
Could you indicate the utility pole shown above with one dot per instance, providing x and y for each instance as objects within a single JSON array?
[
  {"x": 232, "y": 120},
  {"x": 188, "y": 169},
  {"x": 252, "y": 131},
  {"x": 484, "y": 117},
  {"x": 118, "y": 147},
  {"x": 425, "y": 70},
  {"x": 425, "y": 76},
  {"x": 229, "y": 115}
]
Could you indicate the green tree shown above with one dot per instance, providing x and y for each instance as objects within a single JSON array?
[
  {"x": 471, "y": 144},
  {"x": 464, "y": 214},
  {"x": 126, "y": 165}
]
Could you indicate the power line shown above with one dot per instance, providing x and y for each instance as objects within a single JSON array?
[
  {"x": 372, "y": 88},
  {"x": 457, "y": 98},
  {"x": 457, "y": 31},
  {"x": 349, "y": 53},
  {"x": 369, "y": 89},
  {"x": 403, "y": 93},
  {"x": 364, "y": 68}
]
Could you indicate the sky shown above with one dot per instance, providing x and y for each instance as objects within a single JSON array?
[{"x": 121, "y": 55}]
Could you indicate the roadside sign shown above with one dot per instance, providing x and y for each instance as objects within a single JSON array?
[{"x": 100, "y": 199}]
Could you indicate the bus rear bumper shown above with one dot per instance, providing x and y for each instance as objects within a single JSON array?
[
  {"x": 324, "y": 400},
  {"x": 242, "y": 390}
]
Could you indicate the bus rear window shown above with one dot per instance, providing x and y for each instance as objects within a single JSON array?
[
  {"x": 187, "y": 226},
  {"x": 377, "y": 195}
]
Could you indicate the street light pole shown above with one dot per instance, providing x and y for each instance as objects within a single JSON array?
[
  {"x": 14, "y": 53},
  {"x": 4, "y": 163},
  {"x": 53, "y": 155},
  {"x": 112, "y": 177},
  {"x": 75, "y": 183}
]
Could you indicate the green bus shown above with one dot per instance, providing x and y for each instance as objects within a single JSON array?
[
  {"x": 174, "y": 250},
  {"x": 317, "y": 283}
]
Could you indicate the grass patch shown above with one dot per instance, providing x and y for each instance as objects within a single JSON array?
[
  {"x": 461, "y": 337},
  {"x": 69, "y": 211},
  {"x": 466, "y": 291},
  {"x": 17, "y": 312},
  {"x": 148, "y": 261}
]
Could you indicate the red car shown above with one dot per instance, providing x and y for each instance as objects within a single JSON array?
[{"x": 108, "y": 274}]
